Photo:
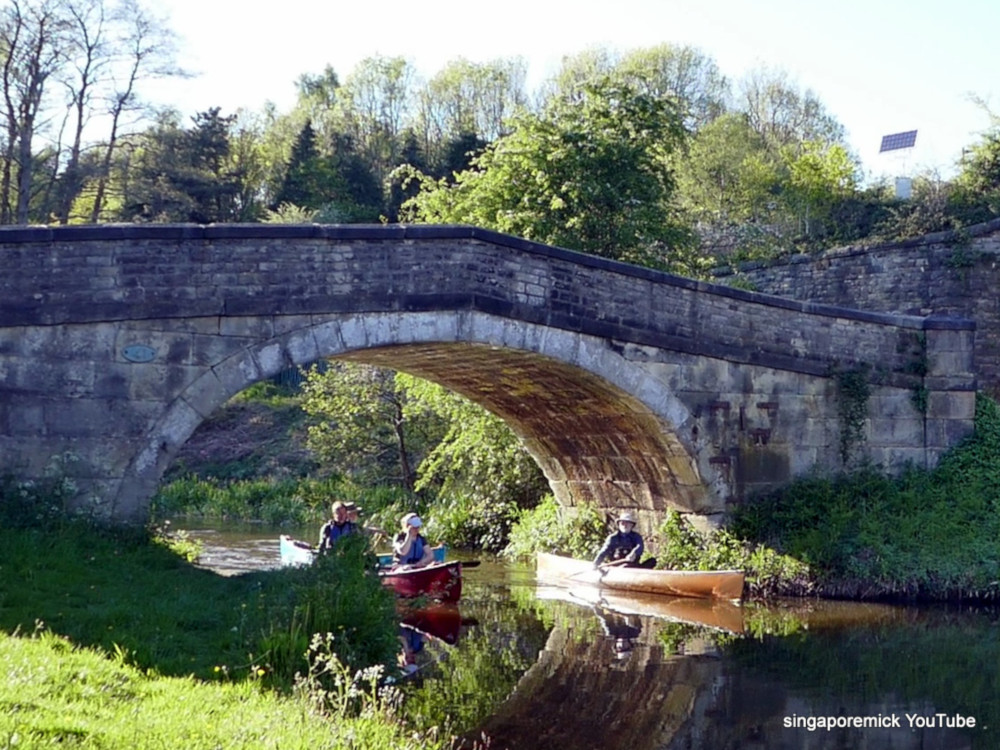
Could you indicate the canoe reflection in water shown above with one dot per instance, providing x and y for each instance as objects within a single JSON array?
[{"x": 440, "y": 623}]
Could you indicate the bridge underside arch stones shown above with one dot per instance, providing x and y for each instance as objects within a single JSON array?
[{"x": 631, "y": 387}]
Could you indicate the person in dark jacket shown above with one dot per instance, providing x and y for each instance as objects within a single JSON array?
[
  {"x": 336, "y": 527},
  {"x": 625, "y": 546}
]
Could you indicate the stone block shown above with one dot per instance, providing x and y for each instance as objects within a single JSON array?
[
  {"x": 238, "y": 372},
  {"x": 958, "y": 405}
]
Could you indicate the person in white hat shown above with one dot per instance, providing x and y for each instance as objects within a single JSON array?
[
  {"x": 409, "y": 548},
  {"x": 625, "y": 546}
]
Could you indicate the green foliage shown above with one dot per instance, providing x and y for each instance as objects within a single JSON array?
[
  {"x": 979, "y": 179},
  {"x": 271, "y": 500},
  {"x": 726, "y": 175},
  {"x": 309, "y": 179},
  {"x": 819, "y": 175},
  {"x": 451, "y": 448},
  {"x": 185, "y": 175},
  {"x": 467, "y": 523},
  {"x": 337, "y": 595},
  {"x": 548, "y": 527},
  {"x": 134, "y": 631},
  {"x": 921, "y": 535},
  {"x": 681, "y": 73},
  {"x": 361, "y": 429},
  {"x": 34, "y": 504},
  {"x": 591, "y": 174},
  {"x": 478, "y": 458},
  {"x": 768, "y": 573}
]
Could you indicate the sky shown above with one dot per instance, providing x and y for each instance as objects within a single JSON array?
[{"x": 879, "y": 66}]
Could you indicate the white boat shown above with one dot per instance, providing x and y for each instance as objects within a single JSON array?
[{"x": 295, "y": 553}]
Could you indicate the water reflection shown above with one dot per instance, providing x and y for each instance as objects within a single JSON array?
[
  {"x": 427, "y": 632},
  {"x": 890, "y": 677},
  {"x": 532, "y": 667}
]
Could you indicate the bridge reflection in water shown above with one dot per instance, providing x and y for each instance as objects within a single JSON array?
[
  {"x": 617, "y": 690},
  {"x": 641, "y": 682}
]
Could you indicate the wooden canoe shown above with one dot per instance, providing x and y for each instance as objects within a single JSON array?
[
  {"x": 437, "y": 581},
  {"x": 719, "y": 614},
  {"x": 719, "y": 584}
]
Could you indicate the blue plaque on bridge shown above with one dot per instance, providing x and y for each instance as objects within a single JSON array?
[{"x": 139, "y": 353}]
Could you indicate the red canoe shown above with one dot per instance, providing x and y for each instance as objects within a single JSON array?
[{"x": 438, "y": 581}]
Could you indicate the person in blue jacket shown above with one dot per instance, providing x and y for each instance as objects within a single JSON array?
[
  {"x": 409, "y": 548},
  {"x": 336, "y": 527},
  {"x": 625, "y": 546}
]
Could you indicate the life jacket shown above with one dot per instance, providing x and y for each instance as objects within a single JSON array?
[
  {"x": 333, "y": 531},
  {"x": 415, "y": 554}
]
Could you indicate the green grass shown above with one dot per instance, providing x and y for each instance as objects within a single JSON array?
[
  {"x": 110, "y": 639},
  {"x": 56, "y": 694}
]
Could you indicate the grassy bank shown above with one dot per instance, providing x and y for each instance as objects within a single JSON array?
[
  {"x": 58, "y": 694},
  {"x": 926, "y": 535},
  {"x": 112, "y": 639}
]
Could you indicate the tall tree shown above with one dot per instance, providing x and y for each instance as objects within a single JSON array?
[
  {"x": 685, "y": 73},
  {"x": 819, "y": 174},
  {"x": 682, "y": 73},
  {"x": 591, "y": 175},
  {"x": 727, "y": 175},
  {"x": 145, "y": 50},
  {"x": 373, "y": 106},
  {"x": 90, "y": 57},
  {"x": 308, "y": 177},
  {"x": 478, "y": 458},
  {"x": 33, "y": 44},
  {"x": 362, "y": 426},
  {"x": 184, "y": 175},
  {"x": 783, "y": 114},
  {"x": 466, "y": 98}
]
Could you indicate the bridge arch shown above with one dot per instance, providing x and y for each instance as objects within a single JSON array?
[{"x": 566, "y": 397}]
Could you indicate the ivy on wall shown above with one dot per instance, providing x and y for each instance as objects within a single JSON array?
[{"x": 853, "y": 393}]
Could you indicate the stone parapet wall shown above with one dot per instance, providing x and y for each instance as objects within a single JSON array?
[
  {"x": 101, "y": 274},
  {"x": 947, "y": 273}
]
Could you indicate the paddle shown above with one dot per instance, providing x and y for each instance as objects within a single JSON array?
[
  {"x": 471, "y": 563},
  {"x": 603, "y": 568},
  {"x": 615, "y": 563}
]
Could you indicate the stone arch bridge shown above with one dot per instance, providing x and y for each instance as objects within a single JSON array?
[{"x": 630, "y": 387}]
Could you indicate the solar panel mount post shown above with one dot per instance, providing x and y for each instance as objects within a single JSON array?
[{"x": 896, "y": 141}]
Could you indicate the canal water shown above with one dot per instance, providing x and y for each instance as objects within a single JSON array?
[{"x": 525, "y": 666}]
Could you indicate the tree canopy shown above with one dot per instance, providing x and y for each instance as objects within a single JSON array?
[{"x": 591, "y": 175}]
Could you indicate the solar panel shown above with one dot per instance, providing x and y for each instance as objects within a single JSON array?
[{"x": 898, "y": 140}]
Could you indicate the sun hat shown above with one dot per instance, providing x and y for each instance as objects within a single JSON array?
[{"x": 628, "y": 516}]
